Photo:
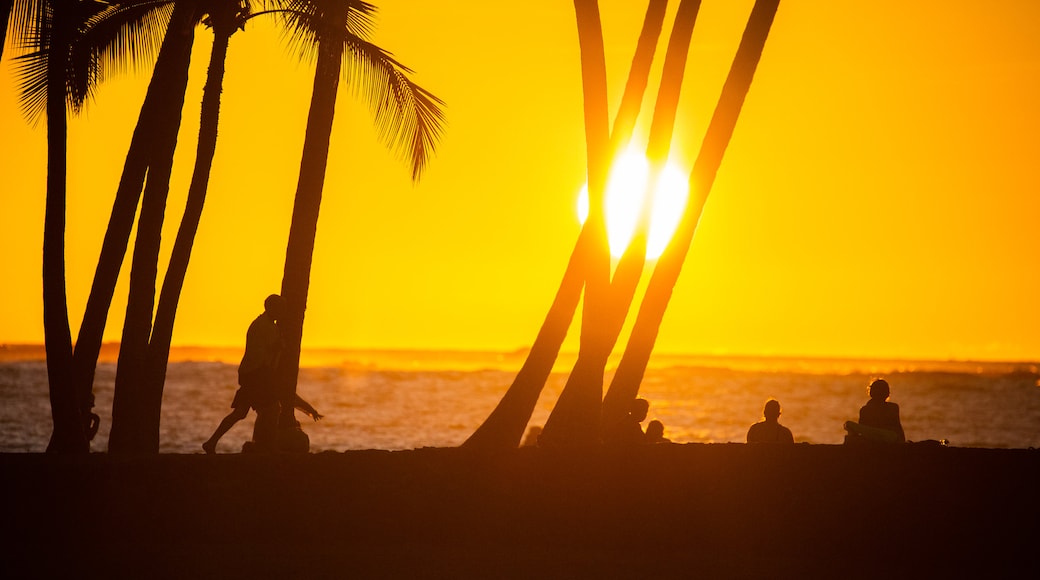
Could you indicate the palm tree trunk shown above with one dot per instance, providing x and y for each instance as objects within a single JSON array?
[
  {"x": 135, "y": 414},
  {"x": 161, "y": 98},
  {"x": 68, "y": 435},
  {"x": 629, "y": 375},
  {"x": 630, "y": 267},
  {"x": 575, "y": 418},
  {"x": 166, "y": 312},
  {"x": 299, "y": 250},
  {"x": 504, "y": 427}
]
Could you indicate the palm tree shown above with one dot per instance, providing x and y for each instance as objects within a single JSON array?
[
  {"x": 625, "y": 384},
  {"x": 162, "y": 104},
  {"x": 569, "y": 422},
  {"x": 630, "y": 267},
  {"x": 505, "y": 426},
  {"x": 130, "y": 419},
  {"x": 575, "y": 418},
  {"x": 70, "y": 45},
  {"x": 335, "y": 33},
  {"x": 144, "y": 349},
  {"x": 225, "y": 18}
]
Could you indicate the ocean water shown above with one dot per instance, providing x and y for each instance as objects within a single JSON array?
[{"x": 407, "y": 400}]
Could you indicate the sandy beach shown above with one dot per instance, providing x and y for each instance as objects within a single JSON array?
[{"x": 708, "y": 511}]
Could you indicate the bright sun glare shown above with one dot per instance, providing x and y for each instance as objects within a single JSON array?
[{"x": 625, "y": 197}]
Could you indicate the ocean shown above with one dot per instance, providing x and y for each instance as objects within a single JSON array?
[{"x": 411, "y": 399}]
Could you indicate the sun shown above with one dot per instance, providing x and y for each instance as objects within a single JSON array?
[{"x": 625, "y": 188}]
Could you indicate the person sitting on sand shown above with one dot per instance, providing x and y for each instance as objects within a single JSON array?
[
  {"x": 256, "y": 375},
  {"x": 628, "y": 430},
  {"x": 878, "y": 419},
  {"x": 655, "y": 432},
  {"x": 769, "y": 429}
]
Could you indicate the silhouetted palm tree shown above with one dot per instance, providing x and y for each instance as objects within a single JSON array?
[
  {"x": 225, "y": 18},
  {"x": 625, "y": 384},
  {"x": 144, "y": 350},
  {"x": 156, "y": 132},
  {"x": 571, "y": 422},
  {"x": 575, "y": 418},
  {"x": 334, "y": 33},
  {"x": 505, "y": 426},
  {"x": 70, "y": 44},
  {"x": 630, "y": 268}
]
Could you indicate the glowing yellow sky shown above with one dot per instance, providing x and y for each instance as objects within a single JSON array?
[{"x": 880, "y": 196}]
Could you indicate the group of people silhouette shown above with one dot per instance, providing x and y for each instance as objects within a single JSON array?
[{"x": 878, "y": 419}]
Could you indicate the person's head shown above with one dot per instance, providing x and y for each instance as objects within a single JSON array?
[
  {"x": 639, "y": 409},
  {"x": 655, "y": 429},
  {"x": 772, "y": 410},
  {"x": 274, "y": 306},
  {"x": 879, "y": 390}
]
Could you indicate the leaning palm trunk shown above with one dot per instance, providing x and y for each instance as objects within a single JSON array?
[
  {"x": 504, "y": 428},
  {"x": 629, "y": 375},
  {"x": 161, "y": 98},
  {"x": 162, "y": 333},
  {"x": 630, "y": 267},
  {"x": 611, "y": 315},
  {"x": 575, "y": 418},
  {"x": 68, "y": 435},
  {"x": 135, "y": 408}
]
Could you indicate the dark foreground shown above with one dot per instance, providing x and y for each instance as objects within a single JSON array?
[{"x": 691, "y": 511}]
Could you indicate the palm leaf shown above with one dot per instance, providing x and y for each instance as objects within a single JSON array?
[
  {"x": 408, "y": 118},
  {"x": 128, "y": 36},
  {"x": 21, "y": 17},
  {"x": 99, "y": 37}
]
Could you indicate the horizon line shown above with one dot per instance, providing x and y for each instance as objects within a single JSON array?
[{"x": 41, "y": 347}]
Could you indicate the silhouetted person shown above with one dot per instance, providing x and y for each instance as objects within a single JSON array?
[
  {"x": 256, "y": 379},
  {"x": 655, "y": 432},
  {"x": 628, "y": 430},
  {"x": 878, "y": 419},
  {"x": 769, "y": 429}
]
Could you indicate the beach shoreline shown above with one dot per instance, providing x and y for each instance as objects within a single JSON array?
[{"x": 691, "y": 510}]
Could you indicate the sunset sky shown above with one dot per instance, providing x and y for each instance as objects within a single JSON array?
[{"x": 880, "y": 197}]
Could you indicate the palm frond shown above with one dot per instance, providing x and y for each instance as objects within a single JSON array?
[
  {"x": 32, "y": 25},
  {"x": 24, "y": 17},
  {"x": 110, "y": 37},
  {"x": 31, "y": 71},
  {"x": 305, "y": 22},
  {"x": 96, "y": 36},
  {"x": 128, "y": 36},
  {"x": 408, "y": 118}
]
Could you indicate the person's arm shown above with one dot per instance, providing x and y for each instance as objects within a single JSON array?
[{"x": 306, "y": 407}]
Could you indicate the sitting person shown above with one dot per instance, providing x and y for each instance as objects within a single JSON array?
[
  {"x": 769, "y": 429},
  {"x": 878, "y": 419},
  {"x": 628, "y": 430},
  {"x": 655, "y": 432}
]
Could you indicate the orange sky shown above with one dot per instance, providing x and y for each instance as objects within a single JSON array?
[{"x": 879, "y": 198}]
